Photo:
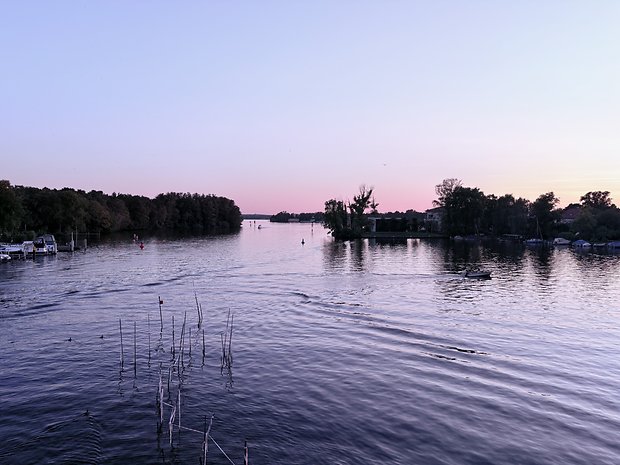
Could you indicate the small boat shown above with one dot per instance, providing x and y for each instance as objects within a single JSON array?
[
  {"x": 581, "y": 244},
  {"x": 534, "y": 241},
  {"x": 613, "y": 245},
  {"x": 51, "y": 247},
  {"x": 561, "y": 241},
  {"x": 5, "y": 257},
  {"x": 599, "y": 245},
  {"x": 11, "y": 249},
  {"x": 477, "y": 274}
]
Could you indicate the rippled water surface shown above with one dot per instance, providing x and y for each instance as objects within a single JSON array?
[{"x": 343, "y": 353}]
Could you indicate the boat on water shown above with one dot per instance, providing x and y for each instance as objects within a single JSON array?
[
  {"x": 51, "y": 246},
  {"x": 5, "y": 257},
  {"x": 561, "y": 241},
  {"x": 613, "y": 245},
  {"x": 600, "y": 245},
  {"x": 477, "y": 274},
  {"x": 11, "y": 249},
  {"x": 534, "y": 241},
  {"x": 581, "y": 244},
  {"x": 42, "y": 245}
]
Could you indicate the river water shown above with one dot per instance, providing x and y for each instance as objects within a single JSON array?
[{"x": 342, "y": 353}]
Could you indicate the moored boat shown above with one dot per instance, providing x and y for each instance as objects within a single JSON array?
[
  {"x": 534, "y": 241},
  {"x": 51, "y": 247},
  {"x": 477, "y": 274}
]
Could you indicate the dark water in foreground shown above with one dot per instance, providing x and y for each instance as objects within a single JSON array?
[{"x": 359, "y": 353}]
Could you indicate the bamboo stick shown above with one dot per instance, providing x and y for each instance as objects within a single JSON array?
[
  {"x": 135, "y": 351},
  {"x": 179, "y": 408},
  {"x": 203, "y": 346},
  {"x": 120, "y": 327},
  {"x": 148, "y": 319},
  {"x": 172, "y": 350},
  {"x": 161, "y": 316}
]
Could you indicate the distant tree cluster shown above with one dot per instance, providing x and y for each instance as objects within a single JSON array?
[
  {"x": 26, "y": 210},
  {"x": 598, "y": 219},
  {"x": 284, "y": 217},
  {"x": 348, "y": 220},
  {"x": 469, "y": 211}
]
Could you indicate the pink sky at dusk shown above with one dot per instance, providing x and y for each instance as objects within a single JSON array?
[{"x": 284, "y": 105}]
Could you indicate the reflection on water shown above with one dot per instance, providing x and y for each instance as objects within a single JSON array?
[{"x": 358, "y": 352}]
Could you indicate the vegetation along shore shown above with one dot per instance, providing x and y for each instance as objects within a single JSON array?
[{"x": 28, "y": 211}]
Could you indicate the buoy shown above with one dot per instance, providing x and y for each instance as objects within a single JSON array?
[
  {"x": 141, "y": 245},
  {"x": 303, "y": 242}
]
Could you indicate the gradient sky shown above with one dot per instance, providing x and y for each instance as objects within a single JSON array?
[{"x": 281, "y": 105}]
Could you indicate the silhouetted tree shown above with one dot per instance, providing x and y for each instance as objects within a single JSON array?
[
  {"x": 597, "y": 200},
  {"x": 544, "y": 215},
  {"x": 445, "y": 190}
]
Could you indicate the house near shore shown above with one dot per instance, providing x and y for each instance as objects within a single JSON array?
[
  {"x": 570, "y": 214},
  {"x": 396, "y": 222},
  {"x": 434, "y": 219}
]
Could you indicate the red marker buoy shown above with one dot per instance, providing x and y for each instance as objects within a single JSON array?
[{"x": 141, "y": 245}]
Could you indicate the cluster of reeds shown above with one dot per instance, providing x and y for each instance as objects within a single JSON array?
[
  {"x": 226, "y": 340},
  {"x": 172, "y": 374}
]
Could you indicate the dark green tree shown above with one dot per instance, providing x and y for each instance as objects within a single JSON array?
[
  {"x": 361, "y": 202},
  {"x": 544, "y": 215},
  {"x": 445, "y": 190},
  {"x": 336, "y": 218},
  {"x": 463, "y": 210},
  {"x": 10, "y": 210},
  {"x": 597, "y": 199}
]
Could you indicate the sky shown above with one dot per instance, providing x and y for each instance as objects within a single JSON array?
[{"x": 282, "y": 105}]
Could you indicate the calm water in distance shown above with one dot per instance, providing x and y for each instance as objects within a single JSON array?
[{"x": 343, "y": 353}]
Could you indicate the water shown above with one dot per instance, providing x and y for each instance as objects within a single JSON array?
[{"x": 344, "y": 353}]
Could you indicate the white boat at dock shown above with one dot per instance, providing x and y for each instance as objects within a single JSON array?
[
  {"x": 561, "y": 241},
  {"x": 42, "y": 245}
]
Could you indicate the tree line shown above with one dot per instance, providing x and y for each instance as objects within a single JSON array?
[
  {"x": 465, "y": 211},
  {"x": 27, "y": 211}
]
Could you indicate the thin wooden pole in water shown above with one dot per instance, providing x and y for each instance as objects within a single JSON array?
[
  {"x": 204, "y": 461},
  {"x": 203, "y": 346},
  {"x": 172, "y": 349},
  {"x": 190, "y": 341},
  {"x": 245, "y": 455},
  {"x": 179, "y": 409},
  {"x": 230, "y": 341},
  {"x": 161, "y": 317},
  {"x": 206, "y": 443},
  {"x": 148, "y": 319},
  {"x": 120, "y": 327},
  {"x": 135, "y": 351},
  {"x": 198, "y": 309},
  {"x": 182, "y": 341}
]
